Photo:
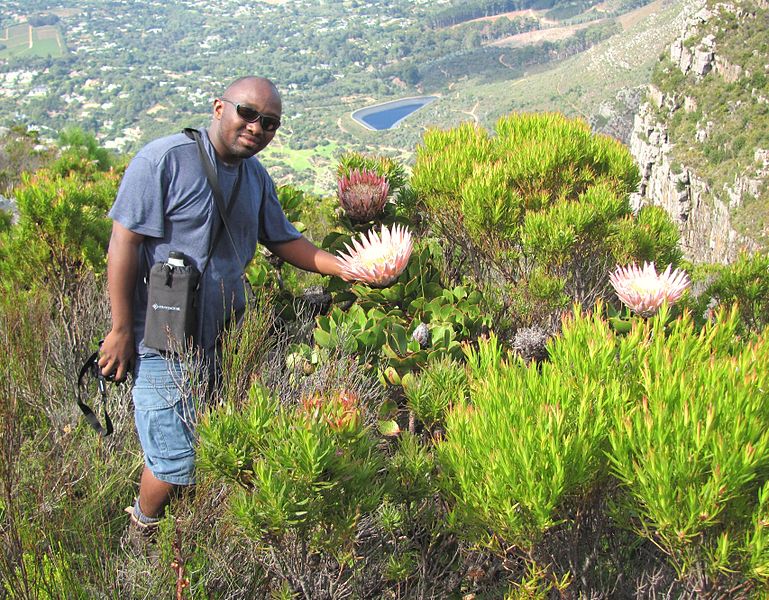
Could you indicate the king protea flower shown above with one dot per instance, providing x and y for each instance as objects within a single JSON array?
[
  {"x": 378, "y": 260},
  {"x": 644, "y": 291},
  {"x": 363, "y": 194}
]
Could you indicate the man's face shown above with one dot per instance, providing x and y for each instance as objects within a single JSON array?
[{"x": 233, "y": 137}]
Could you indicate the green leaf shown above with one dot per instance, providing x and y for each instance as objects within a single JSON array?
[
  {"x": 387, "y": 408},
  {"x": 459, "y": 292},
  {"x": 620, "y": 325},
  {"x": 412, "y": 346},
  {"x": 394, "y": 293},
  {"x": 389, "y": 428},
  {"x": 433, "y": 289},
  {"x": 368, "y": 338},
  {"x": 335, "y": 241},
  {"x": 389, "y": 352},
  {"x": 398, "y": 338},
  {"x": 408, "y": 381},
  {"x": 441, "y": 335},
  {"x": 323, "y": 338}
]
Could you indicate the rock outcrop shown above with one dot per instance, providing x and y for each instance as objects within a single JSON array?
[
  {"x": 702, "y": 217},
  {"x": 703, "y": 212}
]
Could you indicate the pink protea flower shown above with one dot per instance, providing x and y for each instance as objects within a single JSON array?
[
  {"x": 363, "y": 194},
  {"x": 644, "y": 291},
  {"x": 377, "y": 260}
]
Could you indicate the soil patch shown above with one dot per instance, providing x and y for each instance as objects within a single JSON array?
[
  {"x": 553, "y": 34},
  {"x": 535, "y": 14},
  {"x": 628, "y": 20}
]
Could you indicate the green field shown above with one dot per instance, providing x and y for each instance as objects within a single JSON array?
[
  {"x": 315, "y": 166},
  {"x": 25, "y": 40}
]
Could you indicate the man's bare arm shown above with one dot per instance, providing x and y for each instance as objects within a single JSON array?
[
  {"x": 117, "y": 351},
  {"x": 305, "y": 255}
]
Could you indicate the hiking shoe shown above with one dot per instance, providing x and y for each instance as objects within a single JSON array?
[{"x": 141, "y": 537}]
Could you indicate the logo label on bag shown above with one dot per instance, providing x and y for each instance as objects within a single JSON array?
[{"x": 164, "y": 307}]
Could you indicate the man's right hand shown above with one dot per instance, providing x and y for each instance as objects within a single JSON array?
[{"x": 117, "y": 354}]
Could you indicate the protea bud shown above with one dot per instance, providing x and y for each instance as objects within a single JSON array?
[
  {"x": 644, "y": 291},
  {"x": 531, "y": 343},
  {"x": 345, "y": 411},
  {"x": 378, "y": 261},
  {"x": 340, "y": 410},
  {"x": 312, "y": 404},
  {"x": 363, "y": 194},
  {"x": 422, "y": 335}
]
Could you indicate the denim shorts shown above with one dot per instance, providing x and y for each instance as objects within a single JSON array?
[{"x": 164, "y": 411}]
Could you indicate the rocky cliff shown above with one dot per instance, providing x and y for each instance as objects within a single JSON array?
[{"x": 700, "y": 139}]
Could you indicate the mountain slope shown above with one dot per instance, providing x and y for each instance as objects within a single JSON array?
[{"x": 702, "y": 138}]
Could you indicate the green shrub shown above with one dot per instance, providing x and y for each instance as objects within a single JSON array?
[
  {"x": 542, "y": 198},
  {"x": 62, "y": 229},
  {"x": 527, "y": 439},
  {"x": 678, "y": 412},
  {"x": 746, "y": 283},
  {"x": 311, "y": 469},
  {"x": 435, "y": 389},
  {"x": 80, "y": 153},
  {"x": 692, "y": 448}
]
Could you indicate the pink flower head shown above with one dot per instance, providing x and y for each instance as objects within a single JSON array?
[
  {"x": 377, "y": 260},
  {"x": 644, "y": 291},
  {"x": 363, "y": 194}
]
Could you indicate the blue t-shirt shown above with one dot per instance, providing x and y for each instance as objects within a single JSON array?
[{"x": 165, "y": 196}]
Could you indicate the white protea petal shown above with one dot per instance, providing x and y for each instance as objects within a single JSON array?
[
  {"x": 644, "y": 291},
  {"x": 378, "y": 259},
  {"x": 358, "y": 247}
]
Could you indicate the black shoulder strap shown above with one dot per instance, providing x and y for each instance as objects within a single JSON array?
[
  {"x": 213, "y": 181},
  {"x": 91, "y": 367}
]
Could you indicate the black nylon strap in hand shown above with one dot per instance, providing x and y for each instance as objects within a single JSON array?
[
  {"x": 91, "y": 367},
  {"x": 213, "y": 181}
]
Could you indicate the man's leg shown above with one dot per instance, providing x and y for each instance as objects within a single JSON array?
[
  {"x": 154, "y": 494},
  {"x": 165, "y": 416}
]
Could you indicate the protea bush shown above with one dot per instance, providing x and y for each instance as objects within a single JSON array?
[
  {"x": 537, "y": 211},
  {"x": 668, "y": 423},
  {"x": 643, "y": 290},
  {"x": 378, "y": 259},
  {"x": 363, "y": 194},
  {"x": 380, "y": 327},
  {"x": 384, "y": 166},
  {"x": 309, "y": 470}
]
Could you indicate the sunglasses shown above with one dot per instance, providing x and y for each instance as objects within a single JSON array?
[{"x": 250, "y": 115}]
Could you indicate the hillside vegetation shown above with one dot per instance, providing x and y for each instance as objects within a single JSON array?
[
  {"x": 134, "y": 70},
  {"x": 491, "y": 423},
  {"x": 602, "y": 85}
]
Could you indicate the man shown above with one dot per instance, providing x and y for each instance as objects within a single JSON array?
[{"x": 165, "y": 203}]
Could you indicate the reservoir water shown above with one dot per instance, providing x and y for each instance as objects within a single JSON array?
[{"x": 388, "y": 114}]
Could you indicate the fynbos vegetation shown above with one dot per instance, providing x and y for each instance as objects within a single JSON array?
[
  {"x": 492, "y": 422},
  {"x": 537, "y": 213}
]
